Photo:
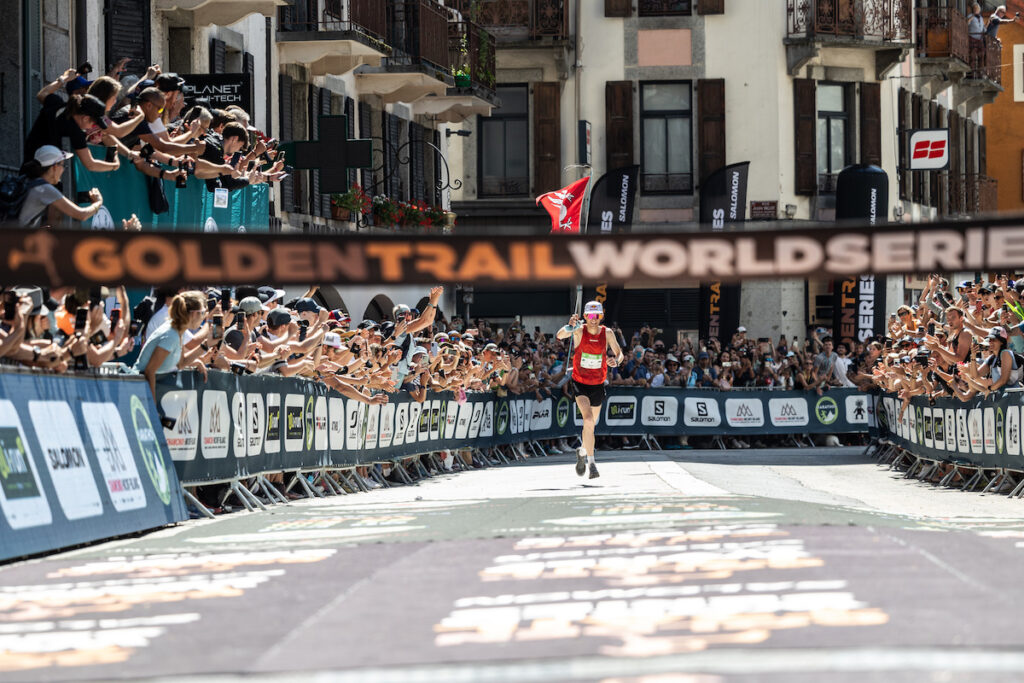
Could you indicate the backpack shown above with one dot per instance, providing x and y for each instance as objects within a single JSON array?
[{"x": 13, "y": 191}]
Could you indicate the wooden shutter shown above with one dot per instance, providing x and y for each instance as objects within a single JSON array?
[
  {"x": 393, "y": 186},
  {"x": 325, "y": 110},
  {"x": 806, "y": 134},
  {"x": 618, "y": 103},
  {"x": 955, "y": 170},
  {"x": 547, "y": 137},
  {"x": 982, "y": 152},
  {"x": 366, "y": 131},
  {"x": 710, "y": 6},
  {"x": 711, "y": 125},
  {"x": 312, "y": 113},
  {"x": 284, "y": 87},
  {"x": 218, "y": 56},
  {"x": 350, "y": 112},
  {"x": 436, "y": 191},
  {"x": 942, "y": 177},
  {"x": 127, "y": 33},
  {"x": 618, "y": 8},
  {"x": 933, "y": 176},
  {"x": 917, "y": 189},
  {"x": 903, "y": 123},
  {"x": 417, "y": 163},
  {"x": 871, "y": 123}
]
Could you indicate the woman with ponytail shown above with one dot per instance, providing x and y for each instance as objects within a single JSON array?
[{"x": 162, "y": 352}]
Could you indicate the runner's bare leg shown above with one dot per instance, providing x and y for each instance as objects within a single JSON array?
[{"x": 589, "y": 422}]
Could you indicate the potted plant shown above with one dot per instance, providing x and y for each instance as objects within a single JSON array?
[
  {"x": 355, "y": 201},
  {"x": 462, "y": 72}
]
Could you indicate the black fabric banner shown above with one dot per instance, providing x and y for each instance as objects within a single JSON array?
[
  {"x": 985, "y": 432},
  {"x": 612, "y": 201},
  {"x": 58, "y": 258},
  {"x": 858, "y": 304},
  {"x": 723, "y": 201}
]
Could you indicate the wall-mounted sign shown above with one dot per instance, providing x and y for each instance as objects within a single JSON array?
[
  {"x": 586, "y": 150},
  {"x": 221, "y": 90},
  {"x": 929, "y": 149},
  {"x": 764, "y": 211}
]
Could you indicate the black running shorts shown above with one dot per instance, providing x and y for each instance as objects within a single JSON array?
[{"x": 594, "y": 392}]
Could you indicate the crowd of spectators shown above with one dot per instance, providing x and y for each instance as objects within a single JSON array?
[
  {"x": 140, "y": 120},
  {"x": 957, "y": 342}
]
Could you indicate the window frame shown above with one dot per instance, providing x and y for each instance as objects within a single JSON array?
[
  {"x": 665, "y": 115},
  {"x": 497, "y": 116},
  {"x": 648, "y": 12},
  {"x": 827, "y": 181}
]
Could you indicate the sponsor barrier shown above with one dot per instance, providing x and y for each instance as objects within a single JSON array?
[
  {"x": 233, "y": 426},
  {"x": 80, "y": 460},
  {"x": 982, "y": 432},
  {"x": 675, "y": 412}
]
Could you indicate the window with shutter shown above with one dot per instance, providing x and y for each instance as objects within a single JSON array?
[
  {"x": 956, "y": 181},
  {"x": 711, "y": 125},
  {"x": 618, "y": 8},
  {"x": 366, "y": 131},
  {"x": 325, "y": 110},
  {"x": 128, "y": 32},
  {"x": 834, "y": 104},
  {"x": 932, "y": 177},
  {"x": 504, "y": 161},
  {"x": 666, "y": 135},
  {"x": 982, "y": 151},
  {"x": 435, "y": 190},
  {"x": 350, "y": 113},
  {"x": 871, "y": 123},
  {"x": 393, "y": 186},
  {"x": 710, "y": 6},
  {"x": 618, "y": 102},
  {"x": 805, "y": 124},
  {"x": 284, "y": 86},
  {"x": 547, "y": 137},
  {"x": 314, "y": 134},
  {"x": 218, "y": 56},
  {"x": 417, "y": 165},
  {"x": 917, "y": 188}
]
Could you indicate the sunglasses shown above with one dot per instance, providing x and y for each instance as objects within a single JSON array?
[{"x": 592, "y": 316}]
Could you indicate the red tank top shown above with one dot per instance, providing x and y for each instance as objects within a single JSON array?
[{"x": 590, "y": 360}]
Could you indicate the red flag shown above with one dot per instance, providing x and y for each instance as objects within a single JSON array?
[{"x": 565, "y": 206}]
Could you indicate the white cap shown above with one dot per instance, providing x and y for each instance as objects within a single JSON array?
[
  {"x": 741, "y": 329},
  {"x": 593, "y": 307},
  {"x": 48, "y": 155},
  {"x": 332, "y": 339},
  {"x": 417, "y": 351}
]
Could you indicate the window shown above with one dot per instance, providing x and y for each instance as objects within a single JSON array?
[
  {"x": 658, "y": 8},
  {"x": 666, "y": 137},
  {"x": 504, "y": 146},
  {"x": 833, "y": 134}
]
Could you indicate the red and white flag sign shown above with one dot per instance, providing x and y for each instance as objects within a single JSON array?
[
  {"x": 565, "y": 206},
  {"x": 929, "y": 149}
]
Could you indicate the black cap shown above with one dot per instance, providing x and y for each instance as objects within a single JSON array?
[
  {"x": 169, "y": 82},
  {"x": 94, "y": 108},
  {"x": 278, "y": 317},
  {"x": 368, "y": 325},
  {"x": 307, "y": 305}
]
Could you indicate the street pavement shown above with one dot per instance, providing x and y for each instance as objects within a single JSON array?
[{"x": 672, "y": 567}]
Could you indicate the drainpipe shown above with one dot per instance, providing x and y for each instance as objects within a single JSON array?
[{"x": 577, "y": 72}]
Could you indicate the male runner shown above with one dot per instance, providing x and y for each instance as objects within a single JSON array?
[{"x": 590, "y": 363}]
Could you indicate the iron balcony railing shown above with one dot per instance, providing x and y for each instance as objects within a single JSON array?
[
  {"x": 418, "y": 33},
  {"x": 971, "y": 194},
  {"x": 472, "y": 49},
  {"x": 512, "y": 20},
  {"x": 368, "y": 17},
  {"x": 869, "y": 20},
  {"x": 986, "y": 59},
  {"x": 942, "y": 34}
]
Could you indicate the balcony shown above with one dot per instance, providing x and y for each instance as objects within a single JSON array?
[
  {"x": 333, "y": 36},
  {"x": 471, "y": 52},
  {"x": 971, "y": 194},
  {"x": 519, "y": 21},
  {"x": 417, "y": 31},
  {"x": 883, "y": 26},
  {"x": 220, "y": 12}
]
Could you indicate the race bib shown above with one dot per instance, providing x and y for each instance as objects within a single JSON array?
[{"x": 590, "y": 361}]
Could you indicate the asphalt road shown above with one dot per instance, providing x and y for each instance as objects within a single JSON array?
[{"x": 672, "y": 567}]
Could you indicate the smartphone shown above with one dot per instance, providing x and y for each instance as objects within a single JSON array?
[
  {"x": 211, "y": 302},
  {"x": 931, "y": 329},
  {"x": 81, "y": 318},
  {"x": 303, "y": 327},
  {"x": 82, "y": 197},
  {"x": 225, "y": 299},
  {"x": 115, "y": 318},
  {"x": 10, "y": 305},
  {"x": 250, "y": 166},
  {"x": 218, "y": 326},
  {"x": 235, "y": 158},
  {"x": 111, "y": 154}
]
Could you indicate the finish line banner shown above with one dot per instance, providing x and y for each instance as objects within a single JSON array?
[
  {"x": 678, "y": 412},
  {"x": 983, "y": 431},
  {"x": 74, "y": 257},
  {"x": 80, "y": 461}
]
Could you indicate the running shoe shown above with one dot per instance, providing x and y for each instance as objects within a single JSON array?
[
  {"x": 581, "y": 462},
  {"x": 594, "y": 474}
]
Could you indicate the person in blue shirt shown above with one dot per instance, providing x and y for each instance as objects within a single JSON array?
[
  {"x": 703, "y": 374},
  {"x": 162, "y": 352}
]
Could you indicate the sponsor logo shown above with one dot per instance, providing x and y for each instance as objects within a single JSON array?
[
  {"x": 335, "y": 423},
  {"x": 387, "y": 425},
  {"x": 254, "y": 424},
  {"x": 826, "y": 410},
  {"x": 110, "y": 443},
  {"x": 962, "y": 439},
  {"x": 939, "y": 429},
  {"x": 1013, "y": 430},
  {"x": 988, "y": 422},
  {"x": 503, "y": 419},
  {"x": 919, "y": 426},
  {"x": 65, "y": 457},
  {"x": 950, "y": 420},
  {"x": 293, "y": 429},
  {"x": 540, "y": 417},
  {"x": 788, "y": 412},
  {"x": 1000, "y": 431},
  {"x": 701, "y": 412},
  {"x": 16, "y": 475},
  {"x": 744, "y": 412},
  {"x": 309, "y": 423},
  {"x": 621, "y": 411},
  {"x": 974, "y": 430},
  {"x": 929, "y": 149},
  {"x": 857, "y": 409},
  {"x": 214, "y": 427},
  {"x": 183, "y": 438},
  {"x": 149, "y": 449},
  {"x": 562, "y": 411},
  {"x": 659, "y": 411}
]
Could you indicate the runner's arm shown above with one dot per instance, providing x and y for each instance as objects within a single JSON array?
[{"x": 613, "y": 344}]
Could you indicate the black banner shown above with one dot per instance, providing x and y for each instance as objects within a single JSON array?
[
  {"x": 612, "y": 201},
  {"x": 862, "y": 193},
  {"x": 723, "y": 201},
  {"x": 983, "y": 431},
  {"x": 219, "y": 90},
  {"x": 75, "y": 257}
]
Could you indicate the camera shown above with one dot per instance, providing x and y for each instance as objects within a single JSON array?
[
  {"x": 115, "y": 318},
  {"x": 147, "y": 151},
  {"x": 10, "y": 305},
  {"x": 111, "y": 154},
  {"x": 168, "y": 422}
]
